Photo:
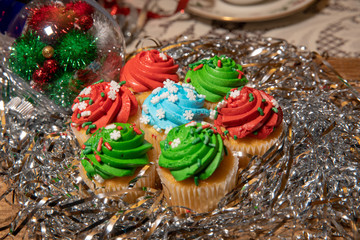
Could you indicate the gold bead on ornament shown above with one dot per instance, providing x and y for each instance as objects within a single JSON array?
[{"x": 48, "y": 52}]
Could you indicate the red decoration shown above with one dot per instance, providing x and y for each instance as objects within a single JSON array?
[
  {"x": 84, "y": 22},
  {"x": 80, "y": 8},
  {"x": 40, "y": 77},
  {"x": 50, "y": 66}
]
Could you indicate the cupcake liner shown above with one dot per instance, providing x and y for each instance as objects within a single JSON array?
[
  {"x": 154, "y": 137},
  {"x": 207, "y": 195},
  {"x": 149, "y": 179},
  {"x": 140, "y": 97},
  {"x": 252, "y": 146}
]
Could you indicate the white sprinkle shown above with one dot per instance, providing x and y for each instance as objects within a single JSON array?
[
  {"x": 145, "y": 109},
  {"x": 82, "y": 106},
  {"x": 188, "y": 115},
  {"x": 212, "y": 114},
  {"x": 112, "y": 95},
  {"x": 173, "y": 89},
  {"x": 98, "y": 178},
  {"x": 175, "y": 143},
  {"x": 191, "y": 96},
  {"x": 145, "y": 119},
  {"x": 204, "y": 123},
  {"x": 235, "y": 93},
  {"x": 111, "y": 126},
  {"x": 85, "y": 113},
  {"x": 167, "y": 83},
  {"x": 156, "y": 127},
  {"x": 160, "y": 113},
  {"x": 221, "y": 104},
  {"x": 115, "y": 135},
  {"x": 74, "y": 107},
  {"x": 173, "y": 98},
  {"x": 114, "y": 86},
  {"x": 275, "y": 103},
  {"x": 167, "y": 130},
  {"x": 163, "y": 56},
  {"x": 155, "y": 100},
  {"x": 156, "y": 90},
  {"x": 164, "y": 95},
  {"x": 85, "y": 91},
  {"x": 201, "y": 96},
  {"x": 74, "y": 124},
  {"x": 191, "y": 124}
]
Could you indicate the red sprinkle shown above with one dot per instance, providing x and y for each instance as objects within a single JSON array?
[
  {"x": 198, "y": 67},
  {"x": 188, "y": 211},
  {"x": 153, "y": 136},
  {"x": 107, "y": 145},
  {"x": 170, "y": 142},
  {"x": 137, "y": 130},
  {"x": 83, "y": 146},
  {"x": 91, "y": 163},
  {"x": 99, "y": 144},
  {"x": 119, "y": 127},
  {"x": 188, "y": 80},
  {"x": 98, "y": 158},
  {"x": 240, "y": 74},
  {"x": 79, "y": 128},
  {"x": 205, "y": 126},
  {"x": 219, "y": 63}
]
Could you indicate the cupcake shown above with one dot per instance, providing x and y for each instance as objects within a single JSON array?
[
  {"x": 168, "y": 107},
  {"x": 113, "y": 156},
  {"x": 250, "y": 119},
  {"x": 101, "y": 104},
  {"x": 147, "y": 71},
  {"x": 215, "y": 77},
  {"x": 195, "y": 168}
]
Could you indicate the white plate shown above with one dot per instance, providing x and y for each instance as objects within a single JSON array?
[{"x": 266, "y": 10}]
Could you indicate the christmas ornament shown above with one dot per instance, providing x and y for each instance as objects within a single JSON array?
[{"x": 62, "y": 38}]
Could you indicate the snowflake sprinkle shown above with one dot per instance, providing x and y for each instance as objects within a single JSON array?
[
  {"x": 164, "y": 95},
  {"x": 235, "y": 94},
  {"x": 111, "y": 126},
  {"x": 82, "y": 106},
  {"x": 115, "y": 135},
  {"x": 191, "y": 96},
  {"x": 86, "y": 113},
  {"x": 167, "y": 83},
  {"x": 172, "y": 89},
  {"x": 112, "y": 95},
  {"x": 145, "y": 119},
  {"x": 156, "y": 90},
  {"x": 188, "y": 115},
  {"x": 114, "y": 86},
  {"x": 173, "y": 98},
  {"x": 85, "y": 91},
  {"x": 163, "y": 56},
  {"x": 175, "y": 143},
  {"x": 221, "y": 104},
  {"x": 145, "y": 108},
  {"x": 160, "y": 113},
  {"x": 155, "y": 100},
  {"x": 74, "y": 107},
  {"x": 212, "y": 114}
]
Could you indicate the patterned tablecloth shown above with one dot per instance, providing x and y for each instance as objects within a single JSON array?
[{"x": 327, "y": 26}]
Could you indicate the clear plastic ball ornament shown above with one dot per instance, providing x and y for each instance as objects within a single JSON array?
[{"x": 60, "y": 47}]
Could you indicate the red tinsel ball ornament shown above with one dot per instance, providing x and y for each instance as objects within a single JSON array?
[
  {"x": 50, "y": 66},
  {"x": 40, "y": 76},
  {"x": 42, "y": 15},
  {"x": 80, "y": 8},
  {"x": 84, "y": 22}
]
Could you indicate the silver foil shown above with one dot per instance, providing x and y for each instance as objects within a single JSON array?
[{"x": 305, "y": 187}]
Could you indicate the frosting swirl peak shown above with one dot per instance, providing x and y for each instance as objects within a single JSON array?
[
  {"x": 103, "y": 103},
  {"x": 214, "y": 77},
  {"x": 148, "y": 70},
  {"x": 247, "y": 111},
  {"x": 192, "y": 150},
  {"x": 115, "y": 151}
]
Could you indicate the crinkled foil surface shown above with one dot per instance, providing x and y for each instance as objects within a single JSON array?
[{"x": 305, "y": 187}]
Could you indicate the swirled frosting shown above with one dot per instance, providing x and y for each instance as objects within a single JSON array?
[
  {"x": 115, "y": 151},
  {"x": 103, "y": 103},
  {"x": 173, "y": 105},
  {"x": 193, "y": 150},
  {"x": 215, "y": 77},
  {"x": 247, "y": 111},
  {"x": 148, "y": 70}
]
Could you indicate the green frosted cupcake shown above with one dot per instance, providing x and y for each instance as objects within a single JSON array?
[
  {"x": 113, "y": 156},
  {"x": 195, "y": 168},
  {"x": 215, "y": 77}
]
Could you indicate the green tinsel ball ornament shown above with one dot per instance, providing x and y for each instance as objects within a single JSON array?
[
  {"x": 26, "y": 54},
  {"x": 76, "y": 50},
  {"x": 64, "y": 90}
]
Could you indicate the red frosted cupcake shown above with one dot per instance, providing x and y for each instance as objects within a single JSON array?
[
  {"x": 250, "y": 119},
  {"x": 147, "y": 71},
  {"x": 101, "y": 104}
]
